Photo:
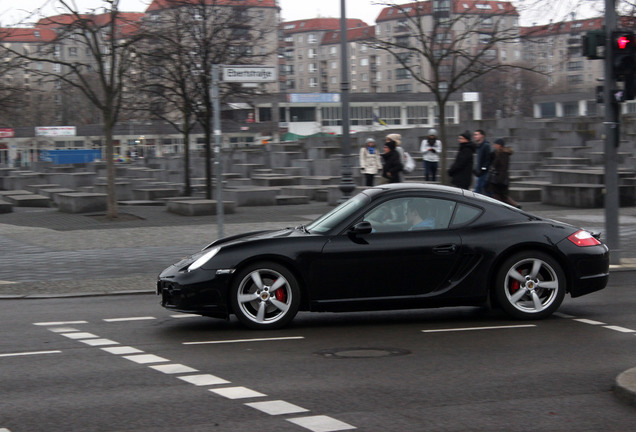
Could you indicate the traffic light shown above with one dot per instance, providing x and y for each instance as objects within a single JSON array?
[
  {"x": 624, "y": 53},
  {"x": 591, "y": 41}
]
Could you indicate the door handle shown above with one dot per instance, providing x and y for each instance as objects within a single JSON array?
[{"x": 446, "y": 249}]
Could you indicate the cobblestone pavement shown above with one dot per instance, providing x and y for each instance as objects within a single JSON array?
[{"x": 46, "y": 252}]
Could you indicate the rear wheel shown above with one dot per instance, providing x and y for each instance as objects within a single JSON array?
[
  {"x": 265, "y": 295},
  {"x": 530, "y": 285}
]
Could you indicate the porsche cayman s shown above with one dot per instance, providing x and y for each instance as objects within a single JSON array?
[{"x": 399, "y": 246}]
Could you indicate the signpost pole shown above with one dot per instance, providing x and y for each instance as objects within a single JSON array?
[{"x": 216, "y": 109}]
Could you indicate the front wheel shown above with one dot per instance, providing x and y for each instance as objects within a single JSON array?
[
  {"x": 265, "y": 295},
  {"x": 530, "y": 285}
]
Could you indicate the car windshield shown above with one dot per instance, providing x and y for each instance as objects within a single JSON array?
[{"x": 329, "y": 220}]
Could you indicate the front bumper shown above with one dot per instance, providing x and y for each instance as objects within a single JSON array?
[{"x": 200, "y": 292}]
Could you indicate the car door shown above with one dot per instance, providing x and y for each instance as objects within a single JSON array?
[{"x": 394, "y": 260}]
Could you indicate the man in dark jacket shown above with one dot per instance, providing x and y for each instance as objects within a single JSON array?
[
  {"x": 461, "y": 171},
  {"x": 391, "y": 162},
  {"x": 482, "y": 147}
]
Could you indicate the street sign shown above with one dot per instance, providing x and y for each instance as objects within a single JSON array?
[{"x": 249, "y": 73}]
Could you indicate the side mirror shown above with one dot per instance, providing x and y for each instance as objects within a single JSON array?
[{"x": 361, "y": 228}]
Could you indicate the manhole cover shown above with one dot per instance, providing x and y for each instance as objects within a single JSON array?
[{"x": 362, "y": 352}]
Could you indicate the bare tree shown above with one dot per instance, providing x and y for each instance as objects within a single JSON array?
[
  {"x": 91, "y": 53},
  {"x": 13, "y": 93},
  {"x": 185, "y": 39},
  {"x": 446, "y": 44}
]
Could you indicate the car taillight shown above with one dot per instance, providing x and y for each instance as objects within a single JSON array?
[{"x": 583, "y": 238}]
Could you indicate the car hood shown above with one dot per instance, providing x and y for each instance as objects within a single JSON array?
[{"x": 242, "y": 238}]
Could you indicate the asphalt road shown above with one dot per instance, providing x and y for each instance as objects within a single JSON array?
[{"x": 121, "y": 363}]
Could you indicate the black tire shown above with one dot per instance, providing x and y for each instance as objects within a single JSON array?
[
  {"x": 265, "y": 295},
  {"x": 530, "y": 285}
]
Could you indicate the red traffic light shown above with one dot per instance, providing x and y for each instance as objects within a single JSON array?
[{"x": 623, "y": 41}]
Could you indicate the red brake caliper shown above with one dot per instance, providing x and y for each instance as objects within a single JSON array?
[
  {"x": 281, "y": 295},
  {"x": 514, "y": 286}
]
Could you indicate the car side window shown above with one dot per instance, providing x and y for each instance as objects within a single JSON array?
[
  {"x": 410, "y": 214},
  {"x": 465, "y": 214}
]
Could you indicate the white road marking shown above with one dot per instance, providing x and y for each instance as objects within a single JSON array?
[
  {"x": 56, "y": 323},
  {"x": 244, "y": 340},
  {"x": 29, "y": 353},
  {"x": 562, "y": 315},
  {"x": 63, "y": 330},
  {"x": 277, "y": 407},
  {"x": 478, "y": 328},
  {"x": 122, "y": 350},
  {"x": 4, "y": 430},
  {"x": 589, "y": 321},
  {"x": 129, "y": 319},
  {"x": 203, "y": 380},
  {"x": 173, "y": 368},
  {"x": 79, "y": 335},
  {"x": 185, "y": 316},
  {"x": 318, "y": 423},
  {"x": 619, "y": 329},
  {"x": 146, "y": 358},
  {"x": 237, "y": 392},
  {"x": 321, "y": 423},
  {"x": 99, "y": 342}
]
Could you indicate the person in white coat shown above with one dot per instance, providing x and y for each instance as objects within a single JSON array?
[
  {"x": 370, "y": 162},
  {"x": 431, "y": 149}
]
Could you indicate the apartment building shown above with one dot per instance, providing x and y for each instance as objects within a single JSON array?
[
  {"x": 376, "y": 70},
  {"x": 557, "y": 49},
  {"x": 305, "y": 54}
]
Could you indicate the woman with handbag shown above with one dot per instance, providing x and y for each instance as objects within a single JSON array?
[{"x": 498, "y": 175}]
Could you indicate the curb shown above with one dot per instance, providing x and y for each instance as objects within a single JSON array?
[{"x": 625, "y": 387}]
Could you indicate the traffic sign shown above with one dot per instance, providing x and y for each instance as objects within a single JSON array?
[{"x": 249, "y": 73}]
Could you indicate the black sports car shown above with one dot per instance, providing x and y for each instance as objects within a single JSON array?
[{"x": 396, "y": 246}]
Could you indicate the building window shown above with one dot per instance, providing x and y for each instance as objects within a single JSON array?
[
  {"x": 302, "y": 114},
  {"x": 403, "y": 88},
  {"x": 331, "y": 116},
  {"x": 417, "y": 115},
  {"x": 313, "y": 82},
  {"x": 361, "y": 115},
  {"x": 402, "y": 74},
  {"x": 390, "y": 114}
]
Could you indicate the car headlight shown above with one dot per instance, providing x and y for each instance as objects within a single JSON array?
[{"x": 204, "y": 259}]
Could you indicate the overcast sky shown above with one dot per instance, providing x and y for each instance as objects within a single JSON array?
[{"x": 12, "y": 11}]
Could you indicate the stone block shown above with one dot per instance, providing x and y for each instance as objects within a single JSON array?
[
  {"x": 30, "y": 200},
  {"x": 154, "y": 193},
  {"x": 5, "y": 207},
  {"x": 199, "y": 207},
  {"x": 291, "y": 200},
  {"x": 81, "y": 202},
  {"x": 52, "y": 193},
  {"x": 254, "y": 196}
]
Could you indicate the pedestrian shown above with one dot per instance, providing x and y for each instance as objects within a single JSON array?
[
  {"x": 370, "y": 163},
  {"x": 431, "y": 149},
  {"x": 462, "y": 168},
  {"x": 397, "y": 138},
  {"x": 391, "y": 162},
  {"x": 498, "y": 175},
  {"x": 483, "y": 160}
]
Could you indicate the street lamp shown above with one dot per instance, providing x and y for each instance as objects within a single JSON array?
[{"x": 346, "y": 184}]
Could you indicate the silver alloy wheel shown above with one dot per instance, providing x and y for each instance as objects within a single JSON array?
[
  {"x": 532, "y": 285},
  {"x": 265, "y": 296}
]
